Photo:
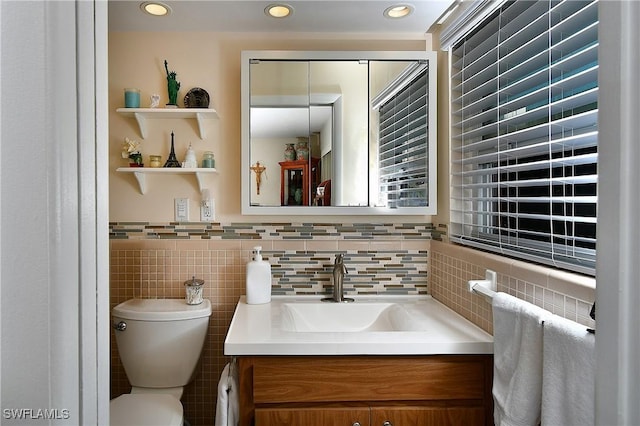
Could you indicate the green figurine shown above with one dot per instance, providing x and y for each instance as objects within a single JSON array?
[{"x": 173, "y": 85}]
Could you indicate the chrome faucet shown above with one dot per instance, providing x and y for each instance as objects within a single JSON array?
[{"x": 339, "y": 271}]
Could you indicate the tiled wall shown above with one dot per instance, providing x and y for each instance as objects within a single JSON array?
[
  {"x": 451, "y": 266},
  {"x": 153, "y": 261}
]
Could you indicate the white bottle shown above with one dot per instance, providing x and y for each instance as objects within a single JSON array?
[{"x": 258, "y": 279}]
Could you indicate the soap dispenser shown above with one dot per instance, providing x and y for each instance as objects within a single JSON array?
[{"x": 258, "y": 279}]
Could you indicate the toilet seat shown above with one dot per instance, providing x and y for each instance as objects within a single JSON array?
[{"x": 145, "y": 410}]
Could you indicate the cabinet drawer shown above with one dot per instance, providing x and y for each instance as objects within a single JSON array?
[
  {"x": 339, "y": 416},
  {"x": 374, "y": 416},
  {"x": 427, "y": 416},
  {"x": 334, "y": 379}
]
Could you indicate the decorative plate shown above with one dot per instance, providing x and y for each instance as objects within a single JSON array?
[{"x": 196, "y": 98}]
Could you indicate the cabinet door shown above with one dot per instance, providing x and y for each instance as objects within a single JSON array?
[
  {"x": 427, "y": 416},
  {"x": 321, "y": 416}
]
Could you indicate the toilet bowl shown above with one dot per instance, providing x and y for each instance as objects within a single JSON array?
[
  {"x": 159, "y": 342},
  {"x": 145, "y": 410}
]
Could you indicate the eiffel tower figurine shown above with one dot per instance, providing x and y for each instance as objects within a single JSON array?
[{"x": 172, "y": 161}]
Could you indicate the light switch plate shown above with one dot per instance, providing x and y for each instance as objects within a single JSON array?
[{"x": 181, "y": 209}]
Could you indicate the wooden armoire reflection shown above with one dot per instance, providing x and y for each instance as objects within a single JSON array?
[{"x": 298, "y": 181}]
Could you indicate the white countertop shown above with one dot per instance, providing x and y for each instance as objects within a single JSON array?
[{"x": 263, "y": 330}]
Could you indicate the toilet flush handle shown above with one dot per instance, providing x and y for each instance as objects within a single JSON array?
[{"x": 121, "y": 326}]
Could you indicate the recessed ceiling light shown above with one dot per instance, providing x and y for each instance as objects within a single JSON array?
[
  {"x": 155, "y": 8},
  {"x": 398, "y": 11},
  {"x": 278, "y": 10}
]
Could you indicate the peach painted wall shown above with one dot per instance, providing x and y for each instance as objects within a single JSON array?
[{"x": 211, "y": 61}]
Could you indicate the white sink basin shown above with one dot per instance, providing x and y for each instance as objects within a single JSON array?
[
  {"x": 372, "y": 325},
  {"x": 346, "y": 317}
]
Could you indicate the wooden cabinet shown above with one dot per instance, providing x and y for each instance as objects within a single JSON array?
[
  {"x": 367, "y": 390},
  {"x": 298, "y": 181}
]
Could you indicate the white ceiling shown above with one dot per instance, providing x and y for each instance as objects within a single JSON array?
[
  {"x": 291, "y": 122},
  {"x": 313, "y": 16}
]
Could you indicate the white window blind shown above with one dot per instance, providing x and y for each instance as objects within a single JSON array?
[
  {"x": 525, "y": 135},
  {"x": 403, "y": 154}
]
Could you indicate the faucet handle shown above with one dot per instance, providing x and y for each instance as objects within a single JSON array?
[{"x": 340, "y": 262}]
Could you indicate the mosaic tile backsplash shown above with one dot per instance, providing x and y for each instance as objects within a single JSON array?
[
  {"x": 368, "y": 272},
  {"x": 270, "y": 231},
  {"x": 151, "y": 260}
]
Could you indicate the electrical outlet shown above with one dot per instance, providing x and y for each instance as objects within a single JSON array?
[
  {"x": 181, "y": 209},
  {"x": 208, "y": 210}
]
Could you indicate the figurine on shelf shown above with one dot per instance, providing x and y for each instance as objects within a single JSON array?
[
  {"x": 173, "y": 86},
  {"x": 172, "y": 161},
  {"x": 131, "y": 150},
  {"x": 190, "y": 161},
  {"x": 155, "y": 100}
]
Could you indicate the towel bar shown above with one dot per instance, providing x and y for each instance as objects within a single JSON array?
[
  {"x": 483, "y": 288},
  {"x": 480, "y": 289}
]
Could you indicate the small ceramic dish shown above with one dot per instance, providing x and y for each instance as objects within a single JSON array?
[{"x": 196, "y": 98}]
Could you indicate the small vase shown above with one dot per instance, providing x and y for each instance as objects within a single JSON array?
[
  {"x": 302, "y": 149},
  {"x": 289, "y": 152}
]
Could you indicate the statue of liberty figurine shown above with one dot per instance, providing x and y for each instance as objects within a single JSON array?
[{"x": 173, "y": 85}]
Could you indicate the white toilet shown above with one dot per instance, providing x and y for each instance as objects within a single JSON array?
[{"x": 159, "y": 341}]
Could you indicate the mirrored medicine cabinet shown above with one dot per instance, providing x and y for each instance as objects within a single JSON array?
[{"x": 338, "y": 133}]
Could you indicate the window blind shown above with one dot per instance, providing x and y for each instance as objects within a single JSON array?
[
  {"x": 403, "y": 157},
  {"x": 524, "y": 152}
]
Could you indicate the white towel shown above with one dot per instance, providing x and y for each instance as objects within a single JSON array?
[
  {"x": 568, "y": 374},
  {"x": 517, "y": 352},
  {"x": 227, "y": 407}
]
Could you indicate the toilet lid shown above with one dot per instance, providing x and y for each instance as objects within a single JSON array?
[{"x": 145, "y": 410}]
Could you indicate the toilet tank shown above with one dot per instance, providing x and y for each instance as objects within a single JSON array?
[{"x": 161, "y": 341}]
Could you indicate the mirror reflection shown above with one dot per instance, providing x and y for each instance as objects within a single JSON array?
[{"x": 338, "y": 133}]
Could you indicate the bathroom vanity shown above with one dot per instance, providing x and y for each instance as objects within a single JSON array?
[
  {"x": 366, "y": 390},
  {"x": 380, "y": 361}
]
